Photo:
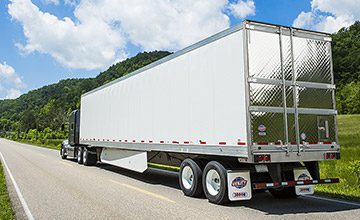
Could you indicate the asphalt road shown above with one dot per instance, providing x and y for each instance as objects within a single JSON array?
[{"x": 53, "y": 188}]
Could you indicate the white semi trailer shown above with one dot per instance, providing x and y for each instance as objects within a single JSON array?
[{"x": 252, "y": 107}]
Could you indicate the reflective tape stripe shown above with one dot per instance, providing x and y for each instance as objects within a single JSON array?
[{"x": 294, "y": 183}]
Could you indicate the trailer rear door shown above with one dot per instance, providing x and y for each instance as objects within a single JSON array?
[{"x": 291, "y": 88}]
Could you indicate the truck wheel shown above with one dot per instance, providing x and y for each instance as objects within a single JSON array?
[
  {"x": 215, "y": 183},
  {"x": 190, "y": 178},
  {"x": 63, "y": 153},
  {"x": 283, "y": 193},
  {"x": 89, "y": 159},
  {"x": 80, "y": 155}
]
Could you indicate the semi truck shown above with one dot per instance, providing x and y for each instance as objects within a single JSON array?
[{"x": 249, "y": 108}]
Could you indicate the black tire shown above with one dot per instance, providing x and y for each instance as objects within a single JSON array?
[
  {"x": 89, "y": 158},
  {"x": 192, "y": 187},
  {"x": 221, "y": 196},
  {"x": 283, "y": 193},
  {"x": 62, "y": 153},
  {"x": 79, "y": 155}
]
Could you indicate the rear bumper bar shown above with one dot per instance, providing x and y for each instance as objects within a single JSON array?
[{"x": 294, "y": 183}]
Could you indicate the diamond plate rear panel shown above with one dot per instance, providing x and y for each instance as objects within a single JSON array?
[
  {"x": 264, "y": 55},
  {"x": 311, "y": 127},
  {"x": 276, "y": 58},
  {"x": 267, "y": 126},
  {"x": 312, "y": 60},
  {"x": 269, "y": 95},
  {"x": 315, "y": 98}
]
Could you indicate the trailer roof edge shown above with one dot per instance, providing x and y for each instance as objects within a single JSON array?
[{"x": 285, "y": 26}]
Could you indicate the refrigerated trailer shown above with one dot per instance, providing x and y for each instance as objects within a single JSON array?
[{"x": 252, "y": 107}]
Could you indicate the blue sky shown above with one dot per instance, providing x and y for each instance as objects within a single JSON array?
[{"x": 44, "y": 41}]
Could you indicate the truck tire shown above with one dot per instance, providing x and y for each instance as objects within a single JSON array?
[
  {"x": 190, "y": 178},
  {"x": 89, "y": 158},
  {"x": 62, "y": 153},
  {"x": 79, "y": 155},
  {"x": 215, "y": 183},
  {"x": 283, "y": 193}
]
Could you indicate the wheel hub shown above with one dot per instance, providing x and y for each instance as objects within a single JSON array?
[
  {"x": 213, "y": 182},
  {"x": 187, "y": 177}
]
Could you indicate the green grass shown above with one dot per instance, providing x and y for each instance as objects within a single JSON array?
[
  {"x": 348, "y": 167},
  {"x": 51, "y": 143},
  {"x": 6, "y": 211}
]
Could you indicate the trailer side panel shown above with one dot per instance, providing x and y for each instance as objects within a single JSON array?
[{"x": 196, "y": 99}]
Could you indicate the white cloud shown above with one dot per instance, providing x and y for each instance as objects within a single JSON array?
[
  {"x": 101, "y": 30},
  {"x": 242, "y": 9},
  {"x": 10, "y": 82},
  {"x": 13, "y": 94},
  {"x": 329, "y": 15},
  {"x": 71, "y": 2},
  {"x": 55, "y": 2},
  {"x": 88, "y": 44}
]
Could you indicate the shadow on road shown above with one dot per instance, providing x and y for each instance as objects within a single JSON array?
[{"x": 261, "y": 201}]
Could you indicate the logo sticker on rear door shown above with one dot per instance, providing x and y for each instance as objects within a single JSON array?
[
  {"x": 303, "y": 136},
  {"x": 262, "y": 130}
]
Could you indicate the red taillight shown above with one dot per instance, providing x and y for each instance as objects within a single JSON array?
[
  {"x": 331, "y": 156},
  {"x": 262, "y": 158},
  {"x": 267, "y": 158},
  {"x": 326, "y": 156}
]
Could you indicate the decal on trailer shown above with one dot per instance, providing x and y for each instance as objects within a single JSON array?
[
  {"x": 239, "y": 182},
  {"x": 302, "y": 174},
  {"x": 239, "y": 185},
  {"x": 303, "y": 136},
  {"x": 262, "y": 130}
]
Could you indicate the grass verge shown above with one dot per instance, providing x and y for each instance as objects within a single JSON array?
[
  {"x": 6, "y": 211},
  {"x": 51, "y": 143},
  {"x": 348, "y": 167}
]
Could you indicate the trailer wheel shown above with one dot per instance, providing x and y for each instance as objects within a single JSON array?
[
  {"x": 62, "y": 153},
  {"x": 190, "y": 178},
  {"x": 89, "y": 158},
  {"x": 79, "y": 155},
  {"x": 215, "y": 183},
  {"x": 283, "y": 193}
]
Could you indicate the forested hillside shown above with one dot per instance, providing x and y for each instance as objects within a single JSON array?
[
  {"x": 346, "y": 62},
  {"x": 46, "y": 109}
]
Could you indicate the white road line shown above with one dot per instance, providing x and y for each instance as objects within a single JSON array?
[
  {"x": 21, "y": 197},
  {"x": 334, "y": 200}
]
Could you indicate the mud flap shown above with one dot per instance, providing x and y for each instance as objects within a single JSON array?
[
  {"x": 301, "y": 174},
  {"x": 239, "y": 185}
]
